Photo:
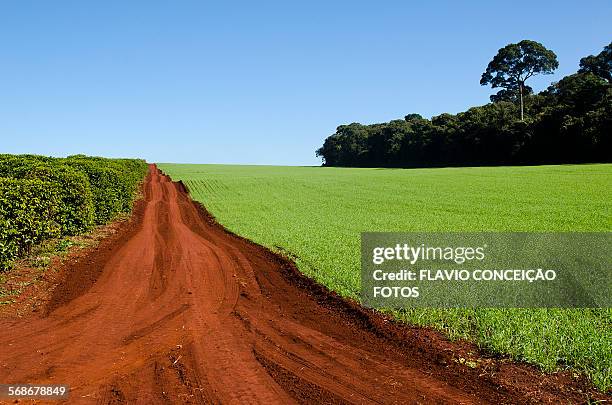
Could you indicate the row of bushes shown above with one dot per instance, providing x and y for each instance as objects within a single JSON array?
[{"x": 44, "y": 197}]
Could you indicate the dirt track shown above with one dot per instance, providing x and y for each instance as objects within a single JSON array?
[{"x": 175, "y": 309}]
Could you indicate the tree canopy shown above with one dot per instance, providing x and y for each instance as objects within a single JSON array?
[
  {"x": 569, "y": 122},
  {"x": 513, "y": 65},
  {"x": 600, "y": 65}
]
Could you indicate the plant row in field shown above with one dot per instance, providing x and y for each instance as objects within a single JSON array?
[{"x": 45, "y": 197}]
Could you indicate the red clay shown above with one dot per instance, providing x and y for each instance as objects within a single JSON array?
[{"x": 175, "y": 309}]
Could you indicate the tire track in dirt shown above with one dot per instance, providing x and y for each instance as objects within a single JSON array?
[{"x": 181, "y": 311}]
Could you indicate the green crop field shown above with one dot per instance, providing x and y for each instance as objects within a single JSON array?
[{"x": 316, "y": 215}]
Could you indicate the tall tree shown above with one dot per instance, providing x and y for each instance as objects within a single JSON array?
[
  {"x": 514, "y": 64},
  {"x": 600, "y": 65}
]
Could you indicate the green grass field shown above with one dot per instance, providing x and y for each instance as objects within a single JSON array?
[{"x": 316, "y": 216}]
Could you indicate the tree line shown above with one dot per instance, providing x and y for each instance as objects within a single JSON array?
[{"x": 569, "y": 122}]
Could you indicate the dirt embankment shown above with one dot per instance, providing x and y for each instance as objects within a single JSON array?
[{"x": 176, "y": 309}]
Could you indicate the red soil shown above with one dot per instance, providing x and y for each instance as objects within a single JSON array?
[{"x": 175, "y": 309}]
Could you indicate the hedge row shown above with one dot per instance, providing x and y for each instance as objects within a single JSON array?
[{"x": 43, "y": 197}]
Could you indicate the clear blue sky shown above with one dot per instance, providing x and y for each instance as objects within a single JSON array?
[{"x": 255, "y": 82}]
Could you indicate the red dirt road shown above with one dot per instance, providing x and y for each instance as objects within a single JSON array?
[{"x": 177, "y": 310}]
